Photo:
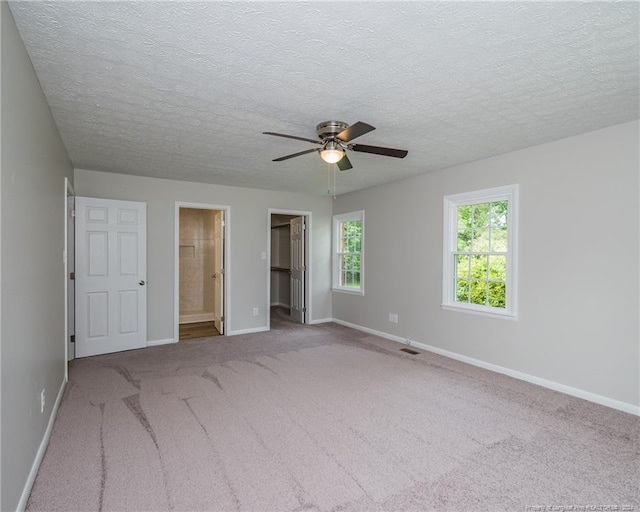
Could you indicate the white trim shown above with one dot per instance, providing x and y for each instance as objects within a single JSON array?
[
  {"x": 357, "y": 327},
  {"x": 68, "y": 192},
  {"x": 449, "y": 227},
  {"x": 545, "y": 383},
  {"x": 335, "y": 270},
  {"x": 156, "y": 343},
  {"x": 26, "y": 491},
  {"x": 350, "y": 291},
  {"x": 479, "y": 310},
  {"x": 307, "y": 261},
  {"x": 249, "y": 331},
  {"x": 322, "y": 321},
  {"x": 226, "y": 307}
]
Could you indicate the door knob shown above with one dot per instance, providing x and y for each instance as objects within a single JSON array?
[{"x": 141, "y": 283}]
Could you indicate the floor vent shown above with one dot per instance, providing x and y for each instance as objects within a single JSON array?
[{"x": 409, "y": 351}]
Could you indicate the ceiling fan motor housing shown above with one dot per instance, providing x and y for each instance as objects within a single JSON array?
[{"x": 329, "y": 129}]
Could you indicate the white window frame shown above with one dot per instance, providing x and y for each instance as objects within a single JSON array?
[
  {"x": 337, "y": 220},
  {"x": 450, "y": 230}
]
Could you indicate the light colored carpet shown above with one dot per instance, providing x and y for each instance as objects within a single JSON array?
[{"x": 325, "y": 418}]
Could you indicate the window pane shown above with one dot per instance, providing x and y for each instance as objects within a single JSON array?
[
  {"x": 480, "y": 241},
  {"x": 462, "y": 266},
  {"x": 499, "y": 240},
  {"x": 351, "y": 262},
  {"x": 499, "y": 213},
  {"x": 497, "y": 295},
  {"x": 464, "y": 217},
  {"x": 348, "y": 278},
  {"x": 478, "y": 292},
  {"x": 498, "y": 268},
  {"x": 462, "y": 290},
  {"x": 481, "y": 215},
  {"x": 479, "y": 267},
  {"x": 464, "y": 240}
]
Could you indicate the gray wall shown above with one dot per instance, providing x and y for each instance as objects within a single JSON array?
[
  {"x": 578, "y": 262},
  {"x": 34, "y": 164},
  {"x": 248, "y": 238}
]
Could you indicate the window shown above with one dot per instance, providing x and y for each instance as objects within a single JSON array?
[
  {"x": 479, "y": 251},
  {"x": 348, "y": 255}
]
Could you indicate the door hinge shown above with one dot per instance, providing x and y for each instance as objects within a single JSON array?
[
  {"x": 304, "y": 310},
  {"x": 72, "y": 276},
  {"x": 73, "y": 213},
  {"x": 222, "y": 271},
  {"x": 222, "y": 318},
  {"x": 72, "y": 338}
]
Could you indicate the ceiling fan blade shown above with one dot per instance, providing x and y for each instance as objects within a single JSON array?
[
  {"x": 355, "y": 130},
  {"x": 295, "y": 155},
  {"x": 377, "y": 150},
  {"x": 344, "y": 164},
  {"x": 292, "y": 137}
]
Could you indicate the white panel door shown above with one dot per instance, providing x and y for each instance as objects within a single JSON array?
[
  {"x": 218, "y": 271},
  {"x": 297, "y": 280},
  {"x": 111, "y": 267}
]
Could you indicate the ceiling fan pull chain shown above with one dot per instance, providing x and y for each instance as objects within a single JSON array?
[{"x": 328, "y": 180}]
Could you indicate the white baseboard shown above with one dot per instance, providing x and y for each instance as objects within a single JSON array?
[
  {"x": 155, "y": 343},
  {"x": 322, "y": 321},
  {"x": 549, "y": 384},
  {"x": 371, "y": 331},
  {"x": 26, "y": 491},
  {"x": 249, "y": 331}
]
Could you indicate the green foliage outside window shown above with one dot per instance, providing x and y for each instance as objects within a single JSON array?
[
  {"x": 350, "y": 253},
  {"x": 481, "y": 255}
]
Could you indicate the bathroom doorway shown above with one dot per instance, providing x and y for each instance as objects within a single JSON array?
[{"x": 201, "y": 272}]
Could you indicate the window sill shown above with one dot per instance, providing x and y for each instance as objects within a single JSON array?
[
  {"x": 349, "y": 291},
  {"x": 503, "y": 315}
]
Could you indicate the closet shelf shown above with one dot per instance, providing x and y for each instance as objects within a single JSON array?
[
  {"x": 280, "y": 269},
  {"x": 281, "y": 226}
]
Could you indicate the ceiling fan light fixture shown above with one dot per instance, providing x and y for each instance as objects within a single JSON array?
[{"x": 332, "y": 153}]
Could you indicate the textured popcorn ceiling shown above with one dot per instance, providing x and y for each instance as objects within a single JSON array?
[{"x": 183, "y": 90}]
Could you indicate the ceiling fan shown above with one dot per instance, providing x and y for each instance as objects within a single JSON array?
[{"x": 335, "y": 138}]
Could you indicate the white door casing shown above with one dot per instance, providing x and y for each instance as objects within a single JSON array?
[
  {"x": 110, "y": 266},
  {"x": 218, "y": 270},
  {"x": 297, "y": 280},
  {"x": 71, "y": 301}
]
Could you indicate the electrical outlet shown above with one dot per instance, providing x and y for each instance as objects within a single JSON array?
[
  {"x": 42, "y": 402},
  {"x": 393, "y": 318},
  {"x": 256, "y": 311}
]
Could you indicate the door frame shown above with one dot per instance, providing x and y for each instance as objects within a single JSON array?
[
  {"x": 226, "y": 307},
  {"x": 68, "y": 192},
  {"x": 307, "y": 260}
]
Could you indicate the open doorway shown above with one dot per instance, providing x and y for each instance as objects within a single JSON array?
[
  {"x": 200, "y": 267},
  {"x": 288, "y": 291}
]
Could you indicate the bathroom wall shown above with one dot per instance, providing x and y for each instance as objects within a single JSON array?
[{"x": 196, "y": 261}]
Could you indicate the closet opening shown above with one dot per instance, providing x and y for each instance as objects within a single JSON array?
[{"x": 289, "y": 265}]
